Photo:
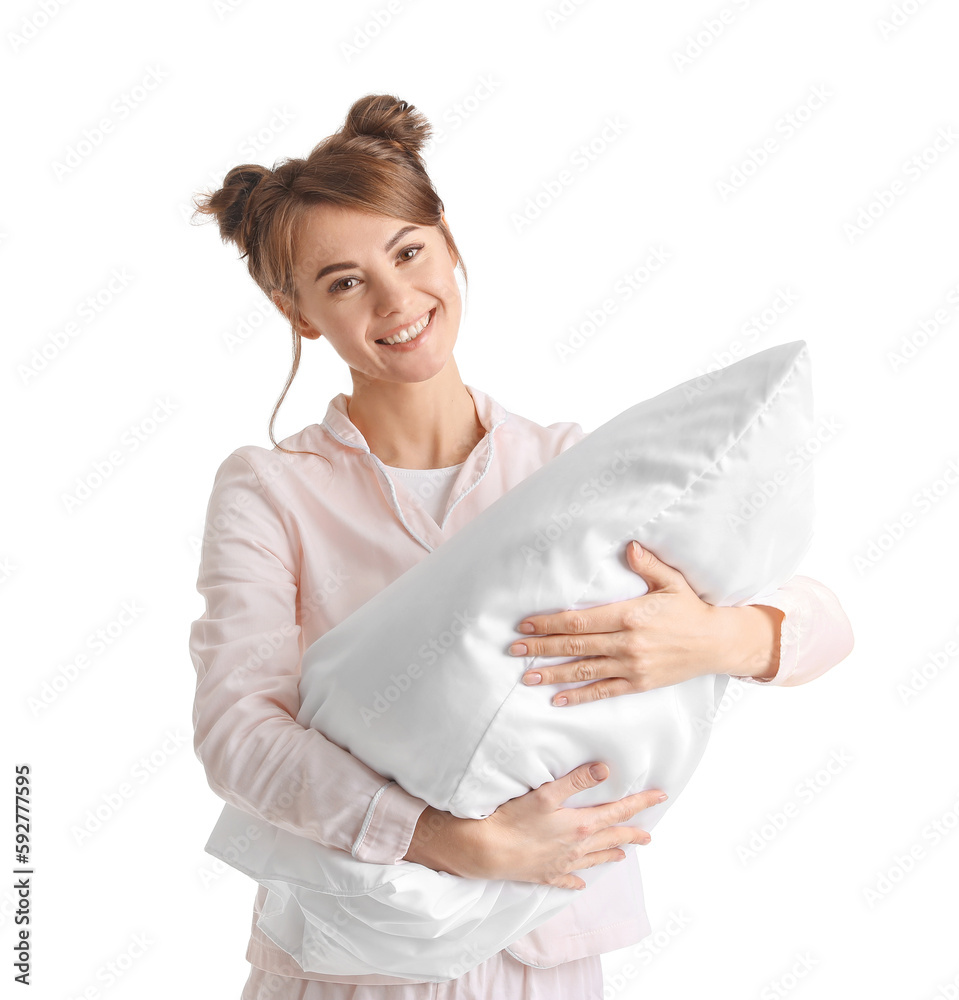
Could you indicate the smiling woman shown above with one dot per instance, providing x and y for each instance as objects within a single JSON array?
[
  {"x": 352, "y": 245},
  {"x": 362, "y": 210},
  {"x": 347, "y": 309}
]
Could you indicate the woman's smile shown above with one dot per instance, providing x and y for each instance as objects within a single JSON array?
[{"x": 413, "y": 334}]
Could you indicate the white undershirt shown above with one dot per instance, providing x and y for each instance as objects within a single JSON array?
[{"x": 432, "y": 486}]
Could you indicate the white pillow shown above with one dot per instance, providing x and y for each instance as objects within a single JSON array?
[{"x": 707, "y": 475}]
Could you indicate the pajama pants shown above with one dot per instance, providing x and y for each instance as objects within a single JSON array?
[{"x": 498, "y": 978}]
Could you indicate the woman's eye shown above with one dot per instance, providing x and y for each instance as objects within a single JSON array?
[
  {"x": 412, "y": 251},
  {"x": 338, "y": 285}
]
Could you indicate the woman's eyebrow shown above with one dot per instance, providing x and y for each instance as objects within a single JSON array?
[{"x": 393, "y": 240}]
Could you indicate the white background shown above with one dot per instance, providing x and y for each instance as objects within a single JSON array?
[{"x": 513, "y": 89}]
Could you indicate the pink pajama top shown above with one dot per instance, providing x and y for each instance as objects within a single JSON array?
[{"x": 292, "y": 546}]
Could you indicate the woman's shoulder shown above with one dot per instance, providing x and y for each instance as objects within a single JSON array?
[
  {"x": 291, "y": 455},
  {"x": 556, "y": 436}
]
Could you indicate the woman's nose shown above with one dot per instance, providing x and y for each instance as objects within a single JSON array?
[{"x": 393, "y": 294}]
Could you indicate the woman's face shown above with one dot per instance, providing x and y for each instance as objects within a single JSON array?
[{"x": 362, "y": 277}]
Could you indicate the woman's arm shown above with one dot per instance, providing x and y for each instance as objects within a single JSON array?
[
  {"x": 670, "y": 634},
  {"x": 814, "y": 634},
  {"x": 246, "y": 653}
]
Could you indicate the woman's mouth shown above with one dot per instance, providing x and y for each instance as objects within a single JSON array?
[{"x": 405, "y": 338}]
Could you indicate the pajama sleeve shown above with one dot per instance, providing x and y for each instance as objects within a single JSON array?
[
  {"x": 245, "y": 649},
  {"x": 815, "y": 633}
]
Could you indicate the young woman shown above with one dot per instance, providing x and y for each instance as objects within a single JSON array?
[{"x": 352, "y": 245}]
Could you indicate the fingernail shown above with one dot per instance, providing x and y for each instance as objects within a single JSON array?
[
  {"x": 532, "y": 679},
  {"x": 637, "y": 548},
  {"x": 526, "y": 627},
  {"x": 560, "y": 701},
  {"x": 518, "y": 649},
  {"x": 596, "y": 770},
  {"x": 662, "y": 797}
]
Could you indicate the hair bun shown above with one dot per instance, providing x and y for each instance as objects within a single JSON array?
[
  {"x": 231, "y": 200},
  {"x": 383, "y": 116}
]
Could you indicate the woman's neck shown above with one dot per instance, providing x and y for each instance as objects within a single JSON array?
[{"x": 417, "y": 425}]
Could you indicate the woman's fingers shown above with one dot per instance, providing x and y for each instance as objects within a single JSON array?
[
  {"x": 585, "y": 776},
  {"x": 602, "y": 618},
  {"x": 608, "y": 687},
  {"x": 580, "y": 636},
  {"x": 575, "y": 670},
  {"x": 606, "y": 813},
  {"x": 602, "y": 655}
]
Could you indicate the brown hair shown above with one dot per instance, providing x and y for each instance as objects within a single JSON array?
[{"x": 372, "y": 162}]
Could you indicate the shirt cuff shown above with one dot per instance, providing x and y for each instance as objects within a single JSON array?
[{"x": 388, "y": 826}]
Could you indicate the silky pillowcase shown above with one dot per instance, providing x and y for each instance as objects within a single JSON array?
[{"x": 709, "y": 477}]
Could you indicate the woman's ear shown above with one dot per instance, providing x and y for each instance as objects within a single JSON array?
[
  {"x": 279, "y": 300},
  {"x": 453, "y": 256},
  {"x": 304, "y": 328}
]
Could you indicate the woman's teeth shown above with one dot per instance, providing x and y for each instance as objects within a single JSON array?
[{"x": 410, "y": 333}]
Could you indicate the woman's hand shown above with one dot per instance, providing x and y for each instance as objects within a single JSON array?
[
  {"x": 533, "y": 838},
  {"x": 663, "y": 637}
]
